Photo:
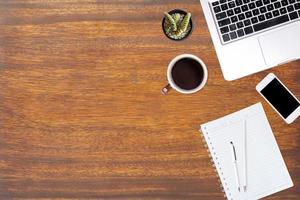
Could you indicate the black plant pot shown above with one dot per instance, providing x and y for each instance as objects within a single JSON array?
[{"x": 180, "y": 12}]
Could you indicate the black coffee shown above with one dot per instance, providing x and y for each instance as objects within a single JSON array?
[{"x": 187, "y": 73}]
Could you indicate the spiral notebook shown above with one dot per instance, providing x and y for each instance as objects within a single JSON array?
[{"x": 259, "y": 157}]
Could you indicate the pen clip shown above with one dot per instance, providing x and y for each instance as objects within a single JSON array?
[{"x": 233, "y": 150}]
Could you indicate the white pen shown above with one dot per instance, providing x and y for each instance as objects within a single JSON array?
[
  {"x": 234, "y": 159},
  {"x": 245, "y": 159}
]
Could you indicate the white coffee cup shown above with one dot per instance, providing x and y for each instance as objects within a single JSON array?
[{"x": 173, "y": 85}]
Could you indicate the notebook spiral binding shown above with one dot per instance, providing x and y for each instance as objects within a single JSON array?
[{"x": 215, "y": 165}]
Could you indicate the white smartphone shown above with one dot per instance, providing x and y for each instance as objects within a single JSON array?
[{"x": 280, "y": 98}]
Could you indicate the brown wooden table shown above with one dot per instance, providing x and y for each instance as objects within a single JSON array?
[{"x": 81, "y": 113}]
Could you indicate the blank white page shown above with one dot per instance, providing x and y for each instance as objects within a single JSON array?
[{"x": 266, "y": 170}]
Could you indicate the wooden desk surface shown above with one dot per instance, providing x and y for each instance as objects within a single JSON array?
[{"x": 81, "y": 113}]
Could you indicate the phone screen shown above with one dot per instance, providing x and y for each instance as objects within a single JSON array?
[{"x": 282, "y": 100}]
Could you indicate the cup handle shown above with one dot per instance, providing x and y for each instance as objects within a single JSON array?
[{"x": 166, "y": 89}]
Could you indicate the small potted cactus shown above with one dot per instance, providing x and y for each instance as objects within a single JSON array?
[{"x": 177, "y": 24}]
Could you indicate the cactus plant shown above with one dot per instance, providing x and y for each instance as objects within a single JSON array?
[
  {"x": 177, "y": 18},
  {"x": 177, "y": 25},
  {"x": 185, "y": 22},
  {"x": 170, "y": 20}
]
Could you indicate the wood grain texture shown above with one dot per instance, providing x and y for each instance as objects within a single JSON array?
[{"x": 81, "y": 113}]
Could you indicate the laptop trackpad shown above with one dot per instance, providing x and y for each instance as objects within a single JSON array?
[{"x": 282, "y": 45}]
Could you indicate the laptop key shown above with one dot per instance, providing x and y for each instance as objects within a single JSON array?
[
  {"x": 255, "y": 12},
  {"x": 238, "y": 2},
  {"x": 224, "y": 7},
  {"x": 284, "y": 3},
  {"x": 215, "y": 3},
  {"x": 234, "y": 19},
  {"x": 240, "y": 33},
  {"x": 270, "y": 23},
  {"x": 221, "y": 15},
  {"x": 259, "y": 3},
  {"x": 248, "y": 14},
  {"x": 217, "y": 9},
  {"x": 240, "y": 24},
  {"x": 254, "y": 20},
  {"x": 241, "y": 16},
  {"x": 283, "y": 11},
  {"x": 268, "y": 15},
  {"x": 248, "y": 30},
  {"x": 233, "y": 35},
  {"x": 277, "y": 5},
  {"x": 261, "y": 17},
  {"x": 270, "y": 7},
  {"x": 297, "y": 6},
  {"x": 263, "y": 10},
  {"x": 290, "y": 8},
  {"x": 225, "y": 29},
  {"x": 292, "y": 1},
  {"x": 224, "y": 22},
  {"x": 252, "y": 6},
  {"x": 247, "y": 22},
  {"x": 266, "y": 2},
  {"x": 237, "y": 10},
  {"x": 230, "y": 13},
  {"x": 293, "y": 15},
  {"x": 245, "y": 8},
  {"x": 231, "y": 4},
  {"x": 275, "y": 13},
  {"x": 226, "y": 38},
  {"x": 222, "y": 1},
  {"x": 232, "y": 27}
]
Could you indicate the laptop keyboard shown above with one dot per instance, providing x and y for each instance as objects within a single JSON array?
[{"x": 236, "y": 19}]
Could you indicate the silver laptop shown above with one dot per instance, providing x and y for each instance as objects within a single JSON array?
[{"x": 253, "y": 35}]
